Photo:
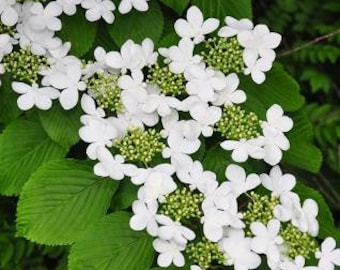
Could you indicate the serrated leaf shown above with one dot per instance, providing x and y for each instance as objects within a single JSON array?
[
  {"x": 8, "y": 102},
  {"x": 24, "y": 146},
  {"x": 80, "y": 32},
  {"x": 61, "y": 200},
  {"x": 222, "y": 8},
  {"x": 278, "y": 88},
  {"x": 62, "y": 126},
  {"x": 178, "y": 6},
  {"x": 125, "y": 195},
  {"x": 325, "y": 218},
  {"x": 138, "y": 25},
  {"x": 112, "y": 244}
]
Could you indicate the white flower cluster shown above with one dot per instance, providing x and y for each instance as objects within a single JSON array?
[
  {"x": 35, "y": 26},
  {"x": 146, "y": 115}
]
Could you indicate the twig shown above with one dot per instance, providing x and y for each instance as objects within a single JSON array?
[{"x": 316, "y": 40}]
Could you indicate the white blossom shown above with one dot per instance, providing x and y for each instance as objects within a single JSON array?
[
  {"x": 234, "y": 27},
  {"x": 239, "y": 182},
  {"x": 144, "y": 217},
  {"x": 34, "y": 96},
  {"x": 112, "y": 166},
  {"x": 125, "y": 6},
  {"x": 194, "y": 26},
  {"x": 329, "y": 255},
  {"x": 181, "y": 57},
  {"x": 69, "y": 6},
  {"x": 170, "y": 252},
  {"x": 144, "y": 173},
  {"x": 255, "y": 66},
  {"x": 9, "y": 15},
  {"x": 277, "y": 182},
  {"x": 297, "y": 264},
  {"x": 97, "y": 9},
  {"x": 173, "y": 230},
  {"x": 244, "y": 148},
  {"x": 45, "y": 17}
]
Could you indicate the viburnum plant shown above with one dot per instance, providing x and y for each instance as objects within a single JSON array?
[{"x": 163, "y": 149}]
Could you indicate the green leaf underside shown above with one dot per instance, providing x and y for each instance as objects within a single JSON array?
[
  {"x": 24, "y": 146},
  {"x": 111, "y": 245},
  {"x": 126, "y": 194},
  {"x": 62, "y": 126},
  {"x": 138, "y": 25},
  {"x": 222, "y": 8},
  {"x": 178, "y": 6},
  {"x": 80, "y": 32},
  {"x": 8, "y": 102},
  {"x": 302, "y": 153},
  {"x": 325, "y": 218},
  {"x": 61, "y": 200}
]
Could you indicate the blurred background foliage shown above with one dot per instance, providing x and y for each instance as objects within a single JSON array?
[{"x": 310, "y": 51}]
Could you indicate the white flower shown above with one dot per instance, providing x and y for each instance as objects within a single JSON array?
[
  {"x": 160, "y": 103},
  {"x": 6, "y": 46},
  {"x": 130, "y": 57},
  {"x": 58, "y": 53},
  {"x": 173, "y": 230},
  {"x": 69, "y": 6},
  {"x": 329, "y": 256},
  {"x": 134, "y": 83},
  {"x": 97, "y": 9},
  {"x": 277, "y": 182},
  {"x": 195, "y": 267},
  {"x": 304, "y": 218},
  {"x": 170, "y": 252},
  {"x": 194, "y": 27},
  {"x": 45, "y": 17},
  {"x": 244, "y": 148},
  {"x": 274, "y": 142},
  {"x": 297, "y": 264},
  {"x": 34, "y": 96},
  {"x": 156, "y": 187},
  {"x": 261, "y": 40},
  {"x": 148, "y": 55},
  {"x": 69, "y": 81},
  {"x": 196, "y": 177},
  {"x": 256, "y": 66},
  {"x": 207, "y": 117},
  {"x": 178, "y": 143},
  {"x": 230, "y": 94},
  {"x": 204, "y": 83},
  {"x": 97, "y": 132},
  {"x": 239, "y": 182},
  {"x": 113, "y": 167},
  {"x": 266, "y": 239},
  {"x": 9, "y": 15},
  {"x": 144, "y": 217},
  {"x": 181, "y": 57},
  {"x": 89, "y": 107},
  {"x": 276, "y": 119},
  {"x": 235, "y": 27},
  {"x": 125, "y": 6},
  {"x": 143, "y": 174},
  {"x": 213, "y": 222},
  {"x": 238, "y": 252}
]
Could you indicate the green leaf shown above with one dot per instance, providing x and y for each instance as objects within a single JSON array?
[
  {"x": 222, "y": 8},
  {"x": 278, "y": 88},
  {"x": 62, "y": 126},
  {"x": 60, "y": 201},
  {"x": 8, "y": 102},
  {"x": 325, "y": 218},
  {"x": 112, "y": 244},
  {"x": 125, "y": 195},
  {"x": 80, "y": 32},
  {"x": 24, "y": 146},
  {"x": 138, "y": 25},
  {"x": 302, "y": 153},
  {"x": 178, "y": 6}
]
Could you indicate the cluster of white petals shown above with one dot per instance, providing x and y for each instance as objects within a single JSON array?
[{"x": 183, "y": 122}]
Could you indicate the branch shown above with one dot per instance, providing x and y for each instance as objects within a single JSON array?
[{"x": 316, "y": 40}]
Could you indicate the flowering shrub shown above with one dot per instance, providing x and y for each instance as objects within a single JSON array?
[{"x": 187, "y": 137}]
